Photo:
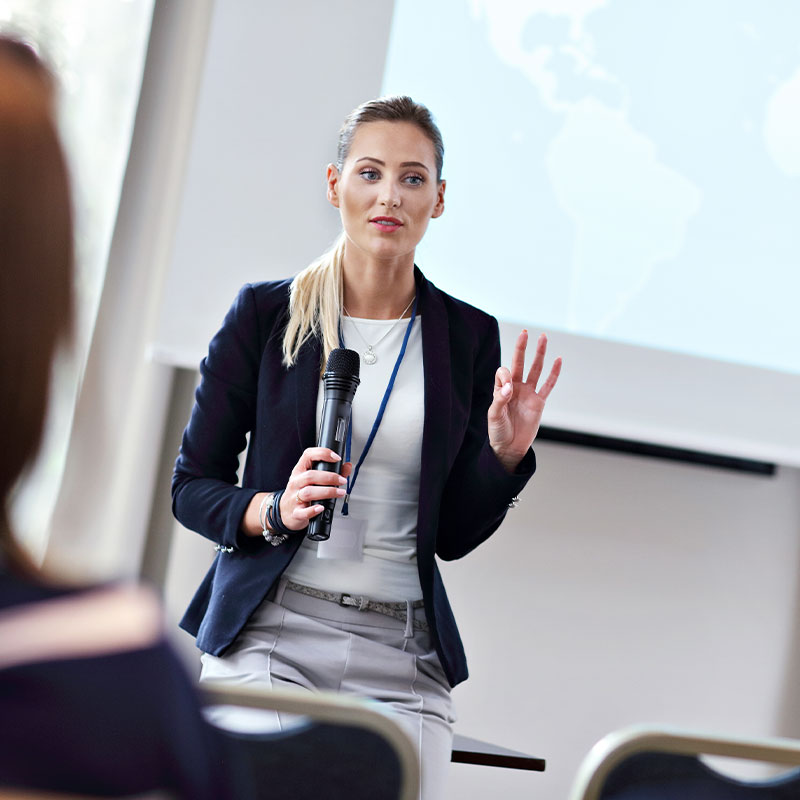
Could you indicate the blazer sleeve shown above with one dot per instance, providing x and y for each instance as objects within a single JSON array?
[
  {"x": 205, "y": 497},
  {"x": 478, "y": 489}
]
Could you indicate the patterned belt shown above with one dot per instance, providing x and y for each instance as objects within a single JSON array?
[{"x": 395, "y": 610}]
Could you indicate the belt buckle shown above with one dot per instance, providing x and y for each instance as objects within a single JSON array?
[{"x": 350, "y": 601}]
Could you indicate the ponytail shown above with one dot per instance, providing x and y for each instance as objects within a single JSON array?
[{"x": 315, "y": 304}]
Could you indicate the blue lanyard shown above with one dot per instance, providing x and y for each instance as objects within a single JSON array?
[{"x": 351, "y": 481}]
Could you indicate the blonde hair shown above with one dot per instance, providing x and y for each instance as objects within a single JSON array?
[
  {"x": 315, "y": 296},
  {"x": 315, "y": 302}
]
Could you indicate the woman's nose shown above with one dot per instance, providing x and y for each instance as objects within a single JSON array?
[{"x": 391, "y": 199}]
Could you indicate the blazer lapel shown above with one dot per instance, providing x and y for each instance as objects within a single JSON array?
[
  {"x": 303, "y": 383},
  {"x": 438, "y": 390}
]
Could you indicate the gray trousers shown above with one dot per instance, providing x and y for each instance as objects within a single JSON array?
[{"x": 294, "y": 640}]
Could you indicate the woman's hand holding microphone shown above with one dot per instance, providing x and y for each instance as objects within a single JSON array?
[{"x": 305, "y": 488}]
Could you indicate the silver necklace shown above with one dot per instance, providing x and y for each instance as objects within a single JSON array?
[{"x": 369, "y": 356}]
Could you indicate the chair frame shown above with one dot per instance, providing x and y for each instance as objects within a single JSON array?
[
  {"x": 325, "y": 707},
  {"x": 614, "y": 748}
]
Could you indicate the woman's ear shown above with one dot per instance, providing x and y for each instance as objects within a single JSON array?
[
  {"x": 438, "y": 209},
  {"x": 333, "y": 185}
]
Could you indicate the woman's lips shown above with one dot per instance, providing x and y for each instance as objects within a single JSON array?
[{"x": 386, "y": 224}]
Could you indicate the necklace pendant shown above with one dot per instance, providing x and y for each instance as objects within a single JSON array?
[{"x": 369, "y": 356}]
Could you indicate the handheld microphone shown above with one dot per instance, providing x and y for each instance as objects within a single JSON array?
[{"x": 341, "y": 381}]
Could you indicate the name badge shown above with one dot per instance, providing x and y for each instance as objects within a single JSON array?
[{"x": 346, "y": 541}]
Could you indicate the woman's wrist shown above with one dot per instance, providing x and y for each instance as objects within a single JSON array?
[
  {"x": 254, "y": 517},
  {"x": 509, "y": 461}
]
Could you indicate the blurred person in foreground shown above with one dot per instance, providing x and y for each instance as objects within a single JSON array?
[{"x": 92, "y": 699}]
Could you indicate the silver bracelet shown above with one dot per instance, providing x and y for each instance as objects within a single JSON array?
[
  {"x": 514, "y": 502},
  {"x": 262, "y": 518}
]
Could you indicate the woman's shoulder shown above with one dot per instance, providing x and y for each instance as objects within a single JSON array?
[
  {"x": 255, "y": 311},
  {"x": 270, "y": 292},
  {"x": 262, "y": 298},
  {"x": 261, "y": 302}
]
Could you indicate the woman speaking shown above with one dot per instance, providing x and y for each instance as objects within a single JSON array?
[{"x": 440, "y": 444}]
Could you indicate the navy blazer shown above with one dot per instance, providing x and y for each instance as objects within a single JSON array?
[{"x": 245, "y": 389}]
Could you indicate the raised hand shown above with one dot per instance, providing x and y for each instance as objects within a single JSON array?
[{"x": 517, "y": 405}]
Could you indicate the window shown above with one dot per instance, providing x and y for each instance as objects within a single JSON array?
[{"x": 97, "y": 50}]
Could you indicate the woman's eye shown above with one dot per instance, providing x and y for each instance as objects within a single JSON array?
[
  {"x": 369, "y": 174},
  {"x": 415, "y": 180}
]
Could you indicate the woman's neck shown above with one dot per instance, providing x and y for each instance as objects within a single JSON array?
[{"x": 378, "y": 290}]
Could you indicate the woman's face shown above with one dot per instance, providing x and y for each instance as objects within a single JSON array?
[{"x": 387, "y": 190}]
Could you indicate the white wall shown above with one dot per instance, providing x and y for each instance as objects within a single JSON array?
[
  {"x": 622, "y": 590},
  {"x": 628, "y": 590}
]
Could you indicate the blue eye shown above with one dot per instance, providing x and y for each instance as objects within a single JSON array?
[
  {"x": 369, "y": 174},
  {"x": 415, "y": 180}
]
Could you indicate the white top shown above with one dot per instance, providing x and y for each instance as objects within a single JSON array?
[{"x": 386, "y": 493}]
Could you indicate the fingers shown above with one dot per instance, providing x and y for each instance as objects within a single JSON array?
[
  {"x": 314, "y": 485},
  {"x": 555, "y": 371},
  {"x": 518, "y": 357},
  {"x": 295, "y": 514},
  {"x": 535, "y": 372},
  {"x": 307, "y": 486},
  {"x": 312, "y": 454},
  {"x": 538, "y": 360},
  {"x": 303, "y": 515},
  {"x": 315, "y": 489},
  {"x": 300, "y": 500}
]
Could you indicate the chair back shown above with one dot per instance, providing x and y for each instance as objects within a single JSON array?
[
  {"x": 343, "y": 748},
  {"x": 663, "y": 764}
]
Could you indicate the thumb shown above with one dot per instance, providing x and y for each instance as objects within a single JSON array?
[
  {"x": 503, "y": 388},
  {"x": 502, "y": 382}
]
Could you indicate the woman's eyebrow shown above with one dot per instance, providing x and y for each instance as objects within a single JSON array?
[{"x": 383, "y": 163}]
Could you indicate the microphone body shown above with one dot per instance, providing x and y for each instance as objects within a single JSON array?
[{"x": 340, "y": 383}]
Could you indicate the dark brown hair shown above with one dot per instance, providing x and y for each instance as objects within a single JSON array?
[
  {"x": 36, "y": 262},
  {"x": 395, "y": 108}
]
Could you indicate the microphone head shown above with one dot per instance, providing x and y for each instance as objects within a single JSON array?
[{"x": 343, "y": 362}]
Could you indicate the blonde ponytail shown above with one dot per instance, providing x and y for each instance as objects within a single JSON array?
[{"x": 315, "y": 303}]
